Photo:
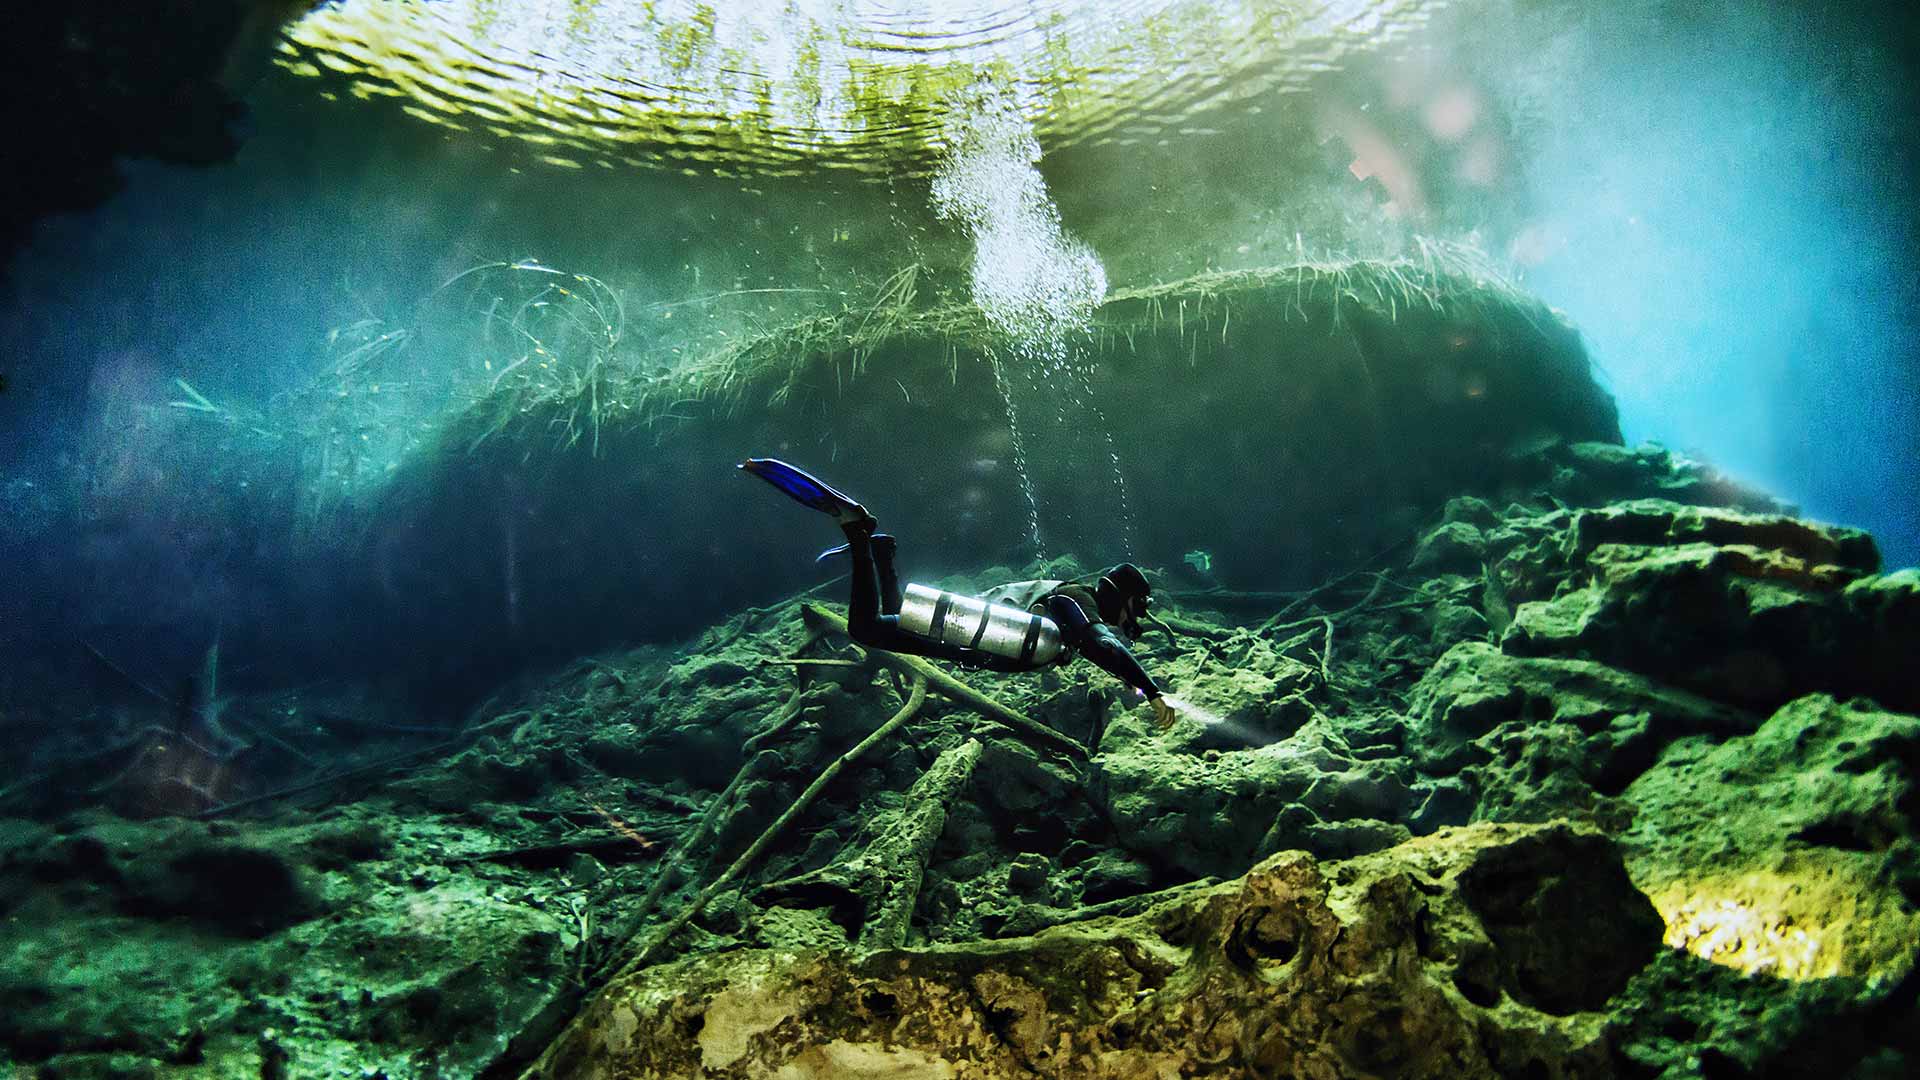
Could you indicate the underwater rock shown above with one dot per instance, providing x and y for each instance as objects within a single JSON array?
[
  {"x": 232, "y": 888},
  {"x": 1110, "y": 876},
  {"x": 1886, "y": 637},
  {"x": 1211, "y": 814},
  {"x": 1536, "y": 738},
  {"x": 1472, "y": 952},
  {"x": 176, "y": 869},
  {"x": 1450, "y": 623},
  {"x": 1453, "y": 547},
  {"x": 1537, "y": 899},
  {"x": 1027, "y": 876},
  {"x": 207, "y": 950},
  {"x": 1444, "y": 802},
  {"x": 1470, "y": 510},
  {"x": 1596, "y": 473},
  {"x": 1036, "y": 803},
  {"x": 1742, "y": 608},
  {"x": 1684, "y": 1016},
  {"x": 1252, "y": 703},
  {"x": 1342, "y": 839},
  {"x": 1793, "y": 850},
  {"x": 1197, "y": 817}
]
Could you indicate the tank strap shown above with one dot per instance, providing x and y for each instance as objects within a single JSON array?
[
  {"x": 986, "y": 616},
  {"x": 937, "y": 625},
  {"x": 1032, "y": 639}
]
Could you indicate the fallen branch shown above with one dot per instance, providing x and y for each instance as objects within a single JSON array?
[
  {"x": 760, "y": 844},
  {"x": 1333, "y": 583},
  {"x": 671, "y": 865},
  {"x": 1034, "y": 918},
  {"x": 953, "y": 689},
  {"x": 885, "y": 877},
  {"x": 325, "y": 781},
  {"x": 782, "y": 720}
]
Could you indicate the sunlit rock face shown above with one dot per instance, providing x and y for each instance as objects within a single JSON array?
[{"x": 1477, "y": 951}]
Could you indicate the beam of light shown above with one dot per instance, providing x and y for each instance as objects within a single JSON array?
[{"x": 1189, "y": 711}]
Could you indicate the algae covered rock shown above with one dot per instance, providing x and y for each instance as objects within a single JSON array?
[
  {"x": 1533, "y": 738},
  {"x": 1453, "y": 546},
  {"x": 1211, "y": 813},
  {"x": 230, "y": 950},
  {"x": 1597, "y": 473},
  {"x": 1424, "y": 960},
  {"x": 1887, "y": 638},
  {"x": 1792, "y": 850},
  {"x": 1744, "y": 608}
]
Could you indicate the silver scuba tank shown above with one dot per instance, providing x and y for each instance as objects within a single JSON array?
[{"x": 972, "y": 623}]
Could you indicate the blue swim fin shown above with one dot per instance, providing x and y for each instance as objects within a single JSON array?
[{"x": 802, "y": 486}]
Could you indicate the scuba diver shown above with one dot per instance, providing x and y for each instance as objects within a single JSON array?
[{"x": 1023, "y": 626}]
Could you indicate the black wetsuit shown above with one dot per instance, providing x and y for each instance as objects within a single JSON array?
[{"x": 873, "y": 619}]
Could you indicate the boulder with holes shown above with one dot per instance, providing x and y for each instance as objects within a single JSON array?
[{"x": 1480, "y": 951}]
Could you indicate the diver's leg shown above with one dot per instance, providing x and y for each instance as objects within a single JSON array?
[
  {"x": 883, "y": 550},
  {"x": 863, "y": 600},
  {"x": 873, "y": 578}
]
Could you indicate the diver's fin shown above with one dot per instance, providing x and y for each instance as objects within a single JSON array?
[
  {"x": 879, "y": 540},
  {"x": 803, "y": 487}
]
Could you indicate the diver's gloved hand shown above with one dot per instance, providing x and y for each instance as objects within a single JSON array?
[{"x": 1163, "y": 714}]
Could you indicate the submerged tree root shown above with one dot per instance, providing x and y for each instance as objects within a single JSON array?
[
  {"x": 671, "y": 866},
  {"x": 953, "y": 689},
  {"x": 885, "y": 877},
  {"x": 766, "y": 838}
]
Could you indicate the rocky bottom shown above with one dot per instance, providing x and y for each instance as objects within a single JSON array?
[{"x": 1611, "y": 774}]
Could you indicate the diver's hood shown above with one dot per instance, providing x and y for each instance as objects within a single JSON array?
[{"x": 1118, "y": 584}]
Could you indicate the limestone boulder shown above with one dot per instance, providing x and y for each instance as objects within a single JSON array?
[
  {"x": 1473, "y": 952},
  {"x": 1195, "y": 811},
  {"x": 1794, "y": 850},
  {"x": 1529, "y": 738},
  {"x": 1744, "y": 608}
]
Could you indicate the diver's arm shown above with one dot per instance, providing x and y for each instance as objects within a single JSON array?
[{"x": 1098, "y": 643}]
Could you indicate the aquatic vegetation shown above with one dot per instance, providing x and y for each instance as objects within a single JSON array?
[{"x": 1440, "y": 279}]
